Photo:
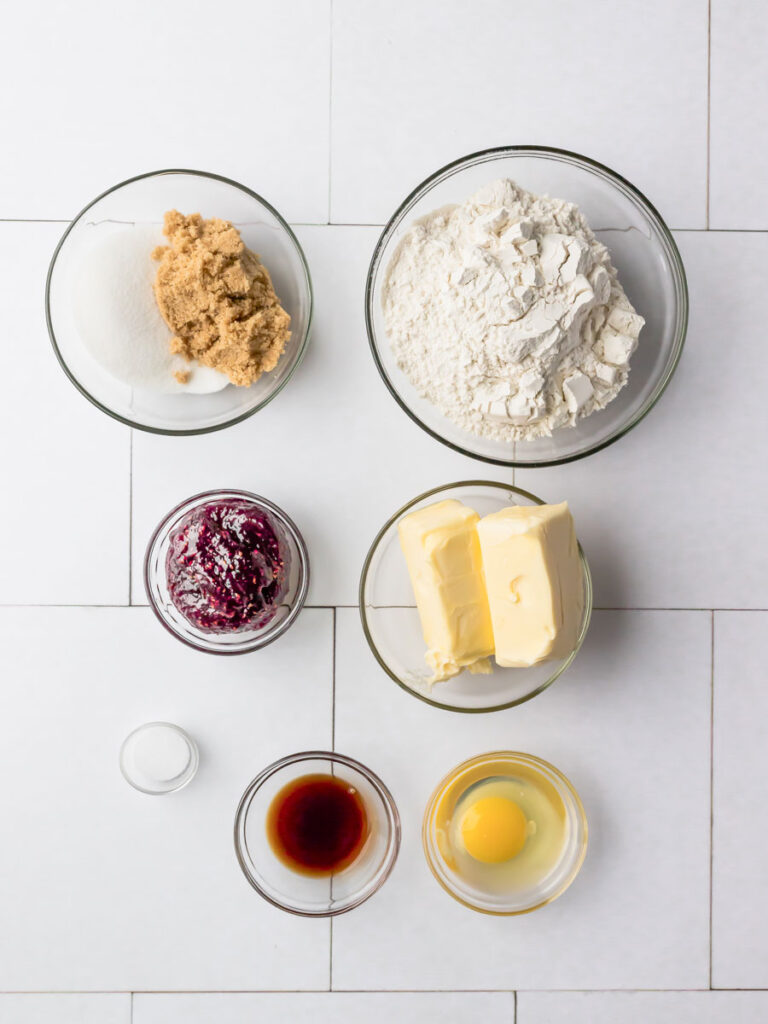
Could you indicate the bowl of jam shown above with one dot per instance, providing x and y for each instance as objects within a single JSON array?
[
  {"x": 226, "y": 572},
  {"x": 317, "y": 833}
]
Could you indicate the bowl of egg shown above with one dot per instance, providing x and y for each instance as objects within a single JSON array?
[
  {"x": 179, "y": 302},
  {"x": 505, "y": 833},
  {"x": 476, "y": 596}
]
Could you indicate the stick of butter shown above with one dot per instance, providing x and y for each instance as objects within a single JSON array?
[
  {"x": 534, "y": 582},
  {"x": 442, "y": 551}
]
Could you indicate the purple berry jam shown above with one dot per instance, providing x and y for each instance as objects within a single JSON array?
[{"x": 227, "y": 566}]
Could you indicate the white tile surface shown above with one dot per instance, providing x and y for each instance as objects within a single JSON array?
[
  {"x": 418, "y": 85},
  {"x": 66, "y": 1009},
  {"x": 642, "y": 1007},
  {"x": 739, "y": 115},
  {"x": 65, "y": 466},
  {"x": 89, "y": 97},
  {"x": 334, "y": 449},
  {"x": 654, "y": 510},
  {"x": 740, "y": 885},
  {"x": 629, "y": 724},
  {"x": 103, "y": 887},
  {"x": 327, "y": 1008}
]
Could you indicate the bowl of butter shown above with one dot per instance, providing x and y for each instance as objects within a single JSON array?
[{"x": 476, "y": 596}]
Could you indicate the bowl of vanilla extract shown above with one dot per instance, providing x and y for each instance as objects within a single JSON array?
[{"x": 317, "y": 833}]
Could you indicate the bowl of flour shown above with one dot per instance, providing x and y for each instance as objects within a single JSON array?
[
  {"x": 103, "y": 317},
  {"x": 526, "y": 306}
]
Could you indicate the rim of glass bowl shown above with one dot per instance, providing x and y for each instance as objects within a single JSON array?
[
  {"x": 190, "y": 772},
  {"x": 393, "y": 818},
  {"x": 587, "y": 575},
  {"x": 595, "y": 167},
  {"x": 509, "y": 755},
  {"x": 186, "y": 432},
  {"x": 285, "y": 520}
]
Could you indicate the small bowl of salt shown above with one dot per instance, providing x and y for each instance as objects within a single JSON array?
[{"x": 107, "y": 328}]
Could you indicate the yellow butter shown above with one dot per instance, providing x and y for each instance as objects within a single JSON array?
[
  {"x": 534, "y": 582},
  {"x": 442, "y": 551}
]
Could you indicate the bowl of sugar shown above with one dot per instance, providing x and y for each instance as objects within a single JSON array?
[{"x": 179, "y": 322}]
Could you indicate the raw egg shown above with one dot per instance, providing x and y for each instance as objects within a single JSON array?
[
  {"x": 493, "y": 829},
  {"x": 504, "y": 833}
]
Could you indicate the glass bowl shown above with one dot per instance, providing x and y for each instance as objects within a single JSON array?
[
  {"x": 393, "y": 629},
  {"x": 505, "y": 763},
  {"x": 159, "y": 758},
  {"x": 303, "y": 894},
  {"x": 156, "y": 583},
  {"x": 642, "y": 250},
  {"x": 141, "y": 202}
]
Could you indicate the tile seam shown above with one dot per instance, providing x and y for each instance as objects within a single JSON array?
[
  {"x": 354, "y": 607},
  {"x": 709, "y": 106},
  {"x": 361, "y": 991},
  {"x": 711, "y": 785},
  {"x": 333, "y": 748},
  {"x": 368, "y": 224},
  {"x": 330, "y": 106},
  {"x": 130, "y": 519}
]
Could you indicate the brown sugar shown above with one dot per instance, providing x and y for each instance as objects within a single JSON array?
[{"x": 217, "y": 298}]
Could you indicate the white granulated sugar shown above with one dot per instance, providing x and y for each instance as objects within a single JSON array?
[
  {"x": 116, "y": 314},
  {"x": 506, "y": 313}
]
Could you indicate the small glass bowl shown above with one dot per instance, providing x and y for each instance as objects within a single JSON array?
[
  {"x": 143, "y": 201},
  {"x": 506, "y": 763},
  {"x": 393, "y": 629},
  {"x": 642, "y": 250},
  {"x": 156, "y": 582},
  {"x": 139, "y": 764},
  {"x": 305, "y": 895}
]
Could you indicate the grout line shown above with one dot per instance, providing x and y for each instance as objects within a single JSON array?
[
  {"x": 514, "y": 997},
  {"x": 131, "y": 1008},
  {"x": 333, "y": 748},
  {"x": 649, "y": 608},
  {"x": 35, "y": 220},
  {"x": 348, "y": 607},
  {"x": 368, "y": 224},
  {"x": 712, "y": 777},
  {"x": 130, "y": 520},
  {"x": 125, "y": 607},
  {"x": 354, "y": 607},
  {"x": 720, "y": 231},
  {"x": 363, "y": 991},
  {"x": 330, "y": 104},
  {"x": 333, "y": 686},
  {"x": 330, "y": 956},
  {"x": 709, "y": 99}
]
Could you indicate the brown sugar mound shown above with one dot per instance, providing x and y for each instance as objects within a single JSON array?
[{"x": 217, "y": 298}]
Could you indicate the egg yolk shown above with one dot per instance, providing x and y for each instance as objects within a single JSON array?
[{"x": 493, "y": 829}]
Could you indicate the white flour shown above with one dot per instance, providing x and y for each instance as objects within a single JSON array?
[{"x": 506, "y": 313}]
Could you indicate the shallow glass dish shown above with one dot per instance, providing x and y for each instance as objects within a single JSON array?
[
  {"x": 143, "y": 201},
  {"x": 156, "y": 580},
  {"x": 642, "y": 250},
  {"x": 502, "y": 764},
  {"x": 393, "y": 629},
  {"x": 303, "y": 894}
]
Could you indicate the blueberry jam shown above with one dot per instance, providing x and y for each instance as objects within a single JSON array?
[{"x": 227, "y": 566}]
